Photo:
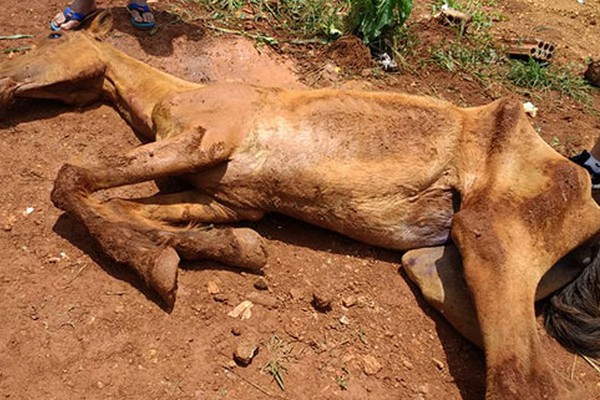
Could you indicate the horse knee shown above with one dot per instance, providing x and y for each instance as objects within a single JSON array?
[{"x": 70, "y": 181}]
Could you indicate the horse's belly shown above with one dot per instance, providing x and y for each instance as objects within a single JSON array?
[
  {"x": 372, "y": 212},
  {"x": 422, "y": 220}
]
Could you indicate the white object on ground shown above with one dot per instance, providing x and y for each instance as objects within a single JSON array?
[{"x": 530, "y": 109}]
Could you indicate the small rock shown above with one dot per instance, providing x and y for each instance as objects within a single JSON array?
[
  {"x": 344, "y": 320},
  {"x": 408, "y": 365},
  {"x": 236, "y": 330},
  {"x": 212, "y": 287},
  {"x": 9, "y": 223},
  {"x": 438, "y": 363},
  {"x": 261, "y": 284},
  {"x": 423, "y": 389},
  {"x": 349, "y": 301},
  {"x": 321, "y": 302},
  {"x": 245, "y": 352},
  {"x": 263, "y": 299},
  {"x": 370, "y": 365},
  {"x": 295, "y": 293},
  {"x": 530, "y": 109},
  {"x": 593, "y": 73},
  {"x": 242, "y": 310},
  {"x": 220, "y": 298}
]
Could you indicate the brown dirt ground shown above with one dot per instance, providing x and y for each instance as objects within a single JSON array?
[{"x": 77, "y": 326}]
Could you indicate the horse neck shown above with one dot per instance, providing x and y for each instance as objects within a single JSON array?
[{"x": 135, "y": 88}]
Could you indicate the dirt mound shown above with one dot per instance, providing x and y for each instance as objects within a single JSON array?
[{"x": 350, "y": 52}]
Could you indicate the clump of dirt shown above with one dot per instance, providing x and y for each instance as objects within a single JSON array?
[{"x": 350, "y": 52}]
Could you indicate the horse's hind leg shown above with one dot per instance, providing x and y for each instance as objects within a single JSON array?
[
  {"x": 161, "y": 217},
  {"x": 185, "y": 207},
  {"x": 155, "y": 263}
]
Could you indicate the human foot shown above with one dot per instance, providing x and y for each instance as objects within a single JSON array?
[
  {"x": 73, "y": 16},
  {"x": 141, "y": 15}
]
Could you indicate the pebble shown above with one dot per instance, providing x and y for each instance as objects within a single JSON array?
[
  {"x": 236, "y": 330},
  {"x": 242, "y": 310},
  {"x": 220, "y": 298},
  {"x": 261, "y": 284},
  {"x": 438, "y": 363},
  {"x": 263, "y": 299},
  {"x": 9, "y": 223},
  {"x": 295, "y": 293},
  {"x": 321, "y": 302},
  {"x": 593, "y": 73},
  {"x": 245, "y": 352},
  {"x": 349, "y": 301},
  {"x": 370, "y": 365},
  {"x": 212, "y": 287}
]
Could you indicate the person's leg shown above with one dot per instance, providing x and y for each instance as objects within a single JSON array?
[
  {"x": 141, "y": 15},
  {"x": 65, "y": 20}
]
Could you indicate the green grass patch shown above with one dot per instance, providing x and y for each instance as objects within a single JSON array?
[
  {"x": 540, "y": 76},
  {"x": 473, "y": 50},
  {"x": 297, "y": 18}
]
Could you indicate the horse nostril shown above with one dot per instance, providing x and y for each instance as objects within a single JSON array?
[{"x": 54, "y": 35}]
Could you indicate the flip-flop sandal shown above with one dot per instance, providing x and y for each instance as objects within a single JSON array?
[
  {"x": 141, "y": 9},
  {"x": 71, "y": 15}
]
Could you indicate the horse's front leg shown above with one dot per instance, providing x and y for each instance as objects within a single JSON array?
[{"x": 506, "y": 249}]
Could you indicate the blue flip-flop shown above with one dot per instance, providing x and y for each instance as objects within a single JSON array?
[
  {"x": 71, "y": 15},
  {"x": 141, "y": 9}
]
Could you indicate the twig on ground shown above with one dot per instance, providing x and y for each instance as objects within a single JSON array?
[
  {"x": 14, "y": 37},
  {"x": 265, "y": 38},
  {"x": 16, "y": 49},
  {"x": 572, "y": 375},
  {"x": 254, "y": 385},
  {"x": 84, "y": 266},
  {"x": 594, "y": 364}
]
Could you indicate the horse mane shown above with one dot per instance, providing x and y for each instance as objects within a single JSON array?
[{"x": 572, "y": 316}]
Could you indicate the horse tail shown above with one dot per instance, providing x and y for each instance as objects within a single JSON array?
[{"x": 572, "y": 316}]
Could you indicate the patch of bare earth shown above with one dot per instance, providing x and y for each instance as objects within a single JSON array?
[{"x": 76, "y": 325}]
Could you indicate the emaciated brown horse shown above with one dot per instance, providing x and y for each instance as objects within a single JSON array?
[{"x": 388, "y": 169}]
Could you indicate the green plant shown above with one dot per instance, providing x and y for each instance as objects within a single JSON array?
[
  {"x": 473, "y": 52},
  {"x": 342, "y": 381},
  {"x": 280, "y": 354},
  {"x": 562, "y": 78},
  {"x": 298, "y": 18},
  {"x": 376, "y": 20}
]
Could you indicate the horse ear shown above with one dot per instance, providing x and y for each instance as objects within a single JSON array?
[{"x": 101, "y": 25}]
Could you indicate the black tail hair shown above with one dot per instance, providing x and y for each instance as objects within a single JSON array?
[{"x": 573, "y": 314}]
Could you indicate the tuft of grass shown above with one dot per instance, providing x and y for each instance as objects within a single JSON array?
[
  {"x": 473, "y": 52},
  {"x": 280, "y": 355},
  {"x": 562, "y": 78},
  {"x": 342, "y": 381},
  {"x": 298, "y": 18}
]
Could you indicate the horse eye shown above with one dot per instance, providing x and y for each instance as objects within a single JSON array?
[{"x": 55, "y": 35}]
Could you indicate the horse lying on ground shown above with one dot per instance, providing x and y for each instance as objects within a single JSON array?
[{"x": 388, "y": 169}]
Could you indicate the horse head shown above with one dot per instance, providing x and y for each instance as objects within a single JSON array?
[{"x": 66, "y": 66}]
